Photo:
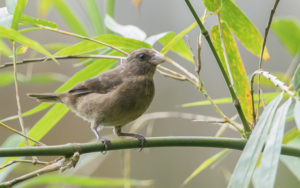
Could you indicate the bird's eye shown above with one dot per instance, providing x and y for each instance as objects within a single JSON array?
[{"x": 142, "y": 56}]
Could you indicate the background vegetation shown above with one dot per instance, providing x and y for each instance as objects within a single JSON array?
[{"x": 93, "y": 30}]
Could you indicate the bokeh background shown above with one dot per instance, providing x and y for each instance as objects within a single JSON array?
[{"x": 168, "y": 167}]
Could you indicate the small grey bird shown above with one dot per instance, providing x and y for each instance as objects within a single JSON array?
[{"x": 113, "y": 98}]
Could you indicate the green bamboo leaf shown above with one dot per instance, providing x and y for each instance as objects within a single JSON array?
[
  {"x": 154, "y": 38},
  {"x": 27, "y": 20},
  {"x": 296, "y": 80},
  {"x": 44, "y": 7},
  {"x": 244, "y": 169},
  {"x": 5, "y": 17},
  {"x": 237, "y": 69},
  {"x": 35, "y": 110},
  {"x": 16, "y": 36},
  {"x": 70, "y": 18},
  {"x": 206, "y": 164},
  {"x": 45, "y": 78},
  {"x": 94, "y": 14},
  {"x": 21, "y": 4},
  {"x": 6, "y": 78},
  {"x": 84, "y": 181},
  {"x": 267, "y": 97},
  {"x": 175, "y": 43},
  {"x": 212, "y": 5},
  {"x": 117, "y": 41},
  {"x": 288, "y": 32},
  {"x": 11, "y": 141},
  {"x": 58, "y": 111},
  {"x": 242, "y": 27},
  {"x": 46, "y": 123},
  {"x": 291, "y": 135},
  {"x": 11, "y": 5},
  {"x": 265, "y": 174},
  {"x": 292, "y": 163},
  {"x": 4, "y": 49},
  {"x": 128, "y": 31},
  {"x": 296, "y": 114}
]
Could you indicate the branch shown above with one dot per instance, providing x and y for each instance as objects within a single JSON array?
[
  {"x": 262, "y": 52},
  {"x": 43, "y": 59},
  {"x": 180, "y": 141},
  {"x": 82, "y": 37}
]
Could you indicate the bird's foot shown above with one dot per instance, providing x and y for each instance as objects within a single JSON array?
[
  {"x": 105, "y": 142},
  {"x": 142, "y": 140}
]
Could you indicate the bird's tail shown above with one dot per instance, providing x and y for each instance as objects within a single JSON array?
[{"x": 45, "y": 97}]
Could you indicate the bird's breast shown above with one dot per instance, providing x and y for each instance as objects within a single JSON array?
[{"x": 129, "y": 101}]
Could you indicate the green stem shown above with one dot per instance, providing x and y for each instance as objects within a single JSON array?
[
  {"x": 70, "y": 149},
  {"x": 227, "y": 80}
]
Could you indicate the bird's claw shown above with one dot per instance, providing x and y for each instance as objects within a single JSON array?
[
  {"x": 143, "y": 141},
  {"x": 105, "y": 142}
]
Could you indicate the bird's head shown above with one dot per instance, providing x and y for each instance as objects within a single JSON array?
[{"x": 143, "y": 61}]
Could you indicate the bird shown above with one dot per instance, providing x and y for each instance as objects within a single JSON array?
[{"x": 113, "y": 98}]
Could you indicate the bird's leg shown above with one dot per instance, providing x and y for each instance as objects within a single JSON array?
[
  {"x": 96, "y": 128},
  {"x": 141, "y": 138}
]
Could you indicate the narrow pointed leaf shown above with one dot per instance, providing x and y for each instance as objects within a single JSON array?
[
  {"x": 175, "y": 43},
  {"x": 297, "y": 114},
  {"x": 11, "y": 141},
  {"x": 288, "y": 32},
  {"x": 265, "y": 174},
  {"x": 292, "y": 163},
  {"x": 69, "y": 16},
  {"x": 5, "y": 17},
  {"x": 237, "y": 69},
  {"x": 212, "y": 5},
  {"x": 43, "y": 8},
  {"x": 291, "y": 135},
  {"x": 296, "y": 80},
  {"x": 227, "y": 100},
  {"x": 244, "y": 169},
  {"x": 154, "y": 38},
  {"x": 242, "y": 27},
  {"x": 16, "y": 36},
  {"x": 117, "y": 41},
  {"x": 21, "y": 4},
  {"x": 128, "y": 31},
  {"x": 27, "y": 20},
  {"x": 35, "y": 110},
  {"x": 94, "y": 14},
  {"x": 206, "y": 164}
]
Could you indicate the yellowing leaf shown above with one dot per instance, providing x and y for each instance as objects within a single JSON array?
[
  {"x": 237, "y": 69},
  {"x": 242, "y": 27}
]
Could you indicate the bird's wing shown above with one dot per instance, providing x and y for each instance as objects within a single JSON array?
[{"x": 103, "y": 83}]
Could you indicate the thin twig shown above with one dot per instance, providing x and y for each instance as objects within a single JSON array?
[
  {"x": 171, "y": 76},
  {"x": 82, "y": 37},
  {"x": 60, "y": 165},
  {"x": 189, "y": 116},
  {"x": 21, "y": 134},
  {"x": 235, "y": 99},
  {"x": 177, "y": 65},
  {"x": 34, "y": 162},
  {"x": 41, "y": 59},
  {"x": 17, "y": 93},
  {"x": 262, "y": 52}
]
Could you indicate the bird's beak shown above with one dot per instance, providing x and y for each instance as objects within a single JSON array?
[{"x": 157, "y": 59}]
